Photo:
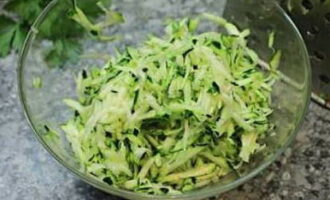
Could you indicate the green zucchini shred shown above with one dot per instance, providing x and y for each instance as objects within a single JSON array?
[
  {"x": 177, "y": 113},
  {"x": 37, "y": 82}
]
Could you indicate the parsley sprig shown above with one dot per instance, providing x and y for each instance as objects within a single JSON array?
[{"x": 63, "y": 26}]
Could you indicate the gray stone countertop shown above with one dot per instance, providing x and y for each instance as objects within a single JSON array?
[{"x": 27, "y": 171}]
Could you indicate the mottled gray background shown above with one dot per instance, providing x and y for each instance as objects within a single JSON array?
[{"x": 28, "y": 172}]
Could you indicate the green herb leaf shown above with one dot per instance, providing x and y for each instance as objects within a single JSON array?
[
  {"x": 63, "y": 51},
  {"x": 7, "y": 35},
  {"x": 27, "y": 10}
]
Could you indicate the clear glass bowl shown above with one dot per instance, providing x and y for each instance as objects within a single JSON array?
[{"x": 290, "y": 96}]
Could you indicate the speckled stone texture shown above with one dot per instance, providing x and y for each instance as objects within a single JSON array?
[{"x": 27, "y": 171}]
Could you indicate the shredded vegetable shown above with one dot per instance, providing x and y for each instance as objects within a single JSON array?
[
  {"x": 175, "y": 114},
  {"x": 37, "y": 82}
]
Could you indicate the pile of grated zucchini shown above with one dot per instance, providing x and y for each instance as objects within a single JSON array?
[{"x": 177, "y": 113}]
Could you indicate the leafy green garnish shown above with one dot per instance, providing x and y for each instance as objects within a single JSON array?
[
  {"x": 11, "y": 35},
  {"x": 175, "y": 114},
  {"x": 60, "y": 26}
]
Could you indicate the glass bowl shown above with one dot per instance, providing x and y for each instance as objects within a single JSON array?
[{"x": 291, "y": 95}]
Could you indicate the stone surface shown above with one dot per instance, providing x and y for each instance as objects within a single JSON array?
[{"x": 27, "y": 171}]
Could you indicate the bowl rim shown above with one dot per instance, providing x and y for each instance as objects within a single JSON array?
[{"x": 130, "y": 194}]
